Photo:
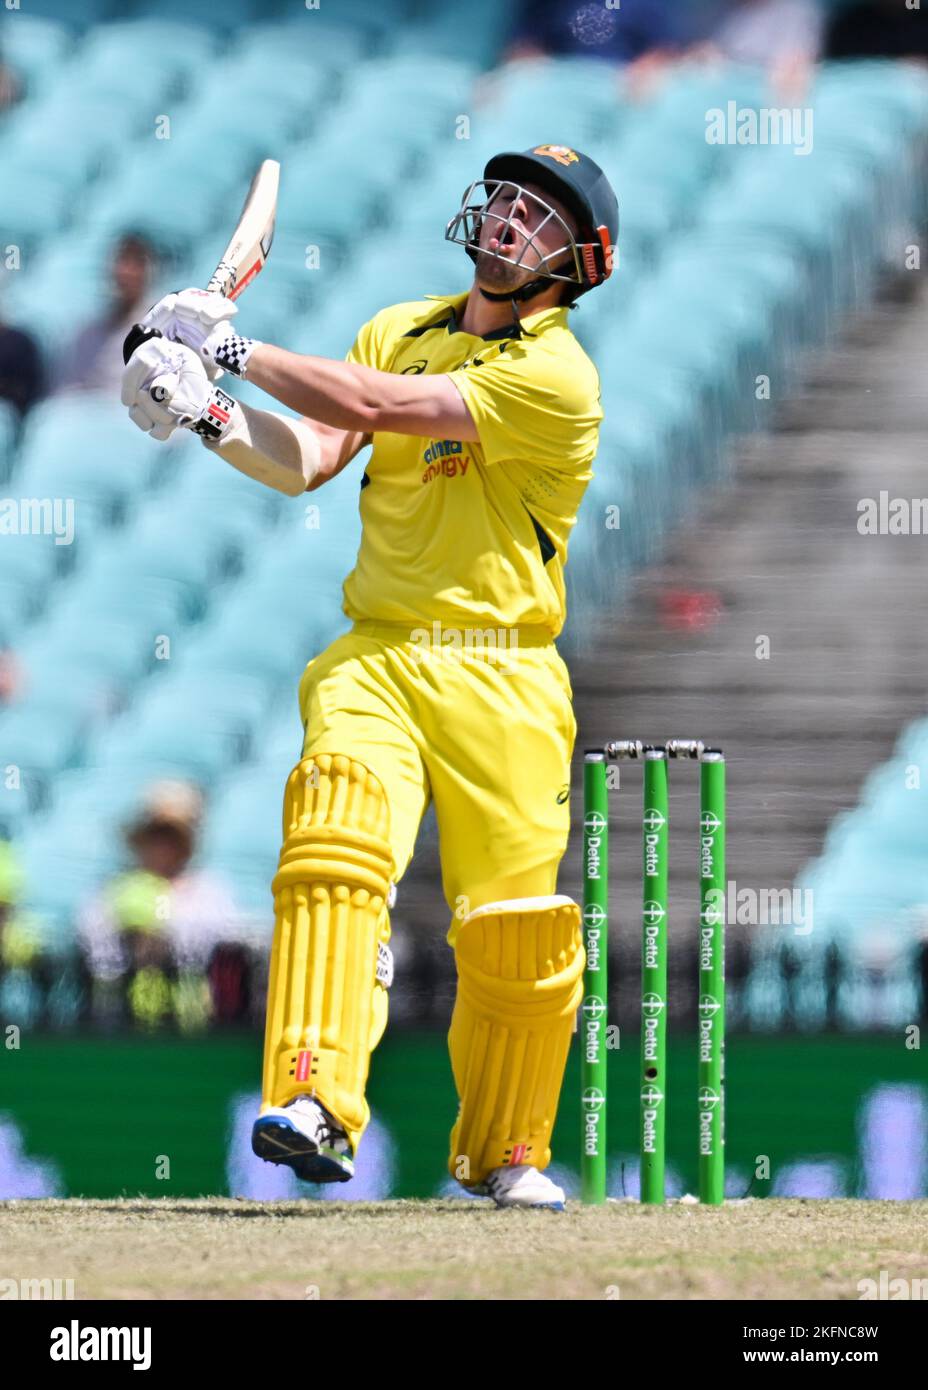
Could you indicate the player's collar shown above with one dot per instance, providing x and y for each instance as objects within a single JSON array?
[{"x": 556, "y": 313}]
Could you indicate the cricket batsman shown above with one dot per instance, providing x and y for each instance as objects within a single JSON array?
[{"x": 483, "y": 412}]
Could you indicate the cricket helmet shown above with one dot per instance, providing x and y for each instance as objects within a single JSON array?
[{"x": 574, "y": 180}]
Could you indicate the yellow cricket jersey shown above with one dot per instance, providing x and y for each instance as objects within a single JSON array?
[{"x": 475, "y": 535}]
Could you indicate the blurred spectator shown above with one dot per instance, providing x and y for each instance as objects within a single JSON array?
[
  {"x": 20, "y": 367},
  {"x": 150, "y": 935},
  {"x": 878, "y": 29},
  {"x": 10, "y": 86},
  {"x": 590, "y": 29},
  {"x": 23, "y": 978},
  {"x": 921, "y": 957},
  {"x": 11, "y": 675},
  {"x": 766, "y": 33},
  {"x": 93, "y": 361}
]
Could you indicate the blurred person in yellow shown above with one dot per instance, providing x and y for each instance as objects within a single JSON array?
[
  {"x": 23, "y": 974},
  {"x": 483, "y": 412},
  {"x": 148, "y": 934}
]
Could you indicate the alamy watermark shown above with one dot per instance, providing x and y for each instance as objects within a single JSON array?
[{"x": 764, "y": 125}]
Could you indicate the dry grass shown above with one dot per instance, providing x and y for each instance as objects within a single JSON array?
[{"x": 222, "y": 1248}]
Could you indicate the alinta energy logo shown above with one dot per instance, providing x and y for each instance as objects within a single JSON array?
[{"x": 445, "y": 458}]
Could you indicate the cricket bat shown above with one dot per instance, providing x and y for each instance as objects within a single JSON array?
[{"x": 246, "y": 253}]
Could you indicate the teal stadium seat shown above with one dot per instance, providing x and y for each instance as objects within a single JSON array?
[
  {"x": 37, "y": 745},
  {"x": 86, "y": 449},
  {"x": 35, "y": 48},
  {"x": 155, "y": 51},
  {"x": 32, "y": 563},
  {"x": 59, "y": 288},
  {"x": 320, "y": 36},
  {"x": 150, "y": 190},
  {"x": 42, "y": 206},
  {"x": 243, "y": 834},
  {"x": 438, "y": 30},
  {"x": 238, "y": 15},
  {"x": 198, "y": 748},
  {"x": 363, "y": 175},
  {"x": 227, "y": 505},
  {"x": 119, "y": 648},
  {"x": 294, "y": 79},
  {"x": 76, "y": 17}
]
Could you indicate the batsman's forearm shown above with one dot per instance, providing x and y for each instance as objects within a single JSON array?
[
  {"x": 281, "y": 453},
  {"x": 342, "y": 394}
]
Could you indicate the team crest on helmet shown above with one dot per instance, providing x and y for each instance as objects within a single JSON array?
[{"x": 561, "y": 153}]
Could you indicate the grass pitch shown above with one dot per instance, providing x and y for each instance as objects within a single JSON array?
[{"x": 223, "y": 1248}]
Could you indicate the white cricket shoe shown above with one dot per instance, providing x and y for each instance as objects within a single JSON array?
[
  {"x": 303, "y": 1135},
  {"x": 521, "y": 1186}
]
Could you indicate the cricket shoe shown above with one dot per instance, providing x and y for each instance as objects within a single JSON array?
[
  {"x": 521, "y": 1186},
  {"x": 304, "y": 1135}
]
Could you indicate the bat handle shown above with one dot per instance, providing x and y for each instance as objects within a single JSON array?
[{"x": 136, "y": 336}]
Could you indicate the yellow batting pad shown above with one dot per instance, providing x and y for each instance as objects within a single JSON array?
[
  {"x": 327, "y": 1008},
  {"x": 520, "y": 966}
]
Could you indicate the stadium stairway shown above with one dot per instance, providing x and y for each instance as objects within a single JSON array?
[{"x": 776, "y": 554}]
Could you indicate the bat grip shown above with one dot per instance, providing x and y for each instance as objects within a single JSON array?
[{"x": 136, "y": 336}]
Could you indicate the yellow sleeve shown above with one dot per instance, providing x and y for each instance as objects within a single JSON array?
[
  {"x": 537, "y": 406},
  {"x": 371, "y": 347}
]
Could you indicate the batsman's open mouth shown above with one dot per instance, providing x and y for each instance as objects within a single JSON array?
[{"x": 505, "y": 242}]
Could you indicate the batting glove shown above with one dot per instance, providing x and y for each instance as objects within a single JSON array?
[
  {"x": 201, "y": 321},
  {"x": 166, "y": 387}
]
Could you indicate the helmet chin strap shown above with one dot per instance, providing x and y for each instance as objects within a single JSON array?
[{"x": 525, "y": 292}]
